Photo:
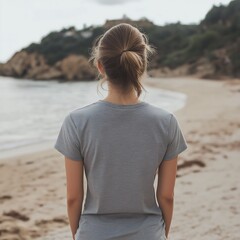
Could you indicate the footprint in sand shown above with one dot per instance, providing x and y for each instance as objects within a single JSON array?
[
  {"x": 191, "y": 163},
  {"x": 4, "y": 198},
  {"x": 30, "y": 162},
  {"x": 17, "y": 215},
  {"x": 57, "y": 220}
]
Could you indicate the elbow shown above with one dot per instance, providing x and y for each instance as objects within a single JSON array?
[
  {"x": 73, "y": 200},
  {"x": 166, "y": 198}
]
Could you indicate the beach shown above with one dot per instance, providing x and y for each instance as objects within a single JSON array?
[{"x": 206, "y": 205}]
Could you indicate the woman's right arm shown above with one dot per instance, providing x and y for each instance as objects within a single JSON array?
[{"x": 165, "y": 189}]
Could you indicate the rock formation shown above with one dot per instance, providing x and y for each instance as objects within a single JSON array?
[{"x": 33, "y": 66}]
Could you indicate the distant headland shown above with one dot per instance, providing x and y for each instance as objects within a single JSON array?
[{"x": 210, "y": 49}]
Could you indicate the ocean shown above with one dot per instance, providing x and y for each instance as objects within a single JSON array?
[{"x": 31, "y": 112}]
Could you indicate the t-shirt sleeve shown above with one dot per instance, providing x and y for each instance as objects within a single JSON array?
[
  {"x": 67, "y": 141},
  {"x": 176, "y": 140}
]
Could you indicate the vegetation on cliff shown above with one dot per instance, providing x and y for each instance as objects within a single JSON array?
[{"x": 213, "y": 44}]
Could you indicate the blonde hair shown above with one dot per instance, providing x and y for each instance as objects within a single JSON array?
[{"x": 124, "y": 54}]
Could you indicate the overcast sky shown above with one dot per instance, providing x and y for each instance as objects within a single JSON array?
[{"x": 25, "y": 21}]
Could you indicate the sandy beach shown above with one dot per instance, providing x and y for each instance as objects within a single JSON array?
[{"x": 207, "y": 191}]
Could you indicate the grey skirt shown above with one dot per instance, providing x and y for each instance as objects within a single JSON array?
[{"x": 121, "y": 227}]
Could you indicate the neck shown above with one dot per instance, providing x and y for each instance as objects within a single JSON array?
[{"x": 115, "y": 96}]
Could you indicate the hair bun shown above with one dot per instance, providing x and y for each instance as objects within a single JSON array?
[
  {"x": 125, "y": 50},
  {"x": 123, "y": 70}
]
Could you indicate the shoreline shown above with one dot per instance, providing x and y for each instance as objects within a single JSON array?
[
  {"x": 164, "y": 98},
  {"x": 206, "y": 192},
  {"x": 23, "y": 150}
]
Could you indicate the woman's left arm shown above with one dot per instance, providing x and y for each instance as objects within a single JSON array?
[{"x": 75, "y": 192}]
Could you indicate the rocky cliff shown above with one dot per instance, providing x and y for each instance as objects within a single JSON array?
[
  {"x": 210, "y": 49},
  {"x": 34, "y": 66}
]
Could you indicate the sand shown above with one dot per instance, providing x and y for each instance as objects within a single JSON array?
[{"x": 207, "y": 190}]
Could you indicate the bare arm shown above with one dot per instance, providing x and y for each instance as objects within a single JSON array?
[
  {"x": 75, "y": 192},
  {"x": 165, "y": 189}
]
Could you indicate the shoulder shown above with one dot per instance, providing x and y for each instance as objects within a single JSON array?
[
  {"x": 81, "y": 113},
  {"x": 160, "y": 114}
]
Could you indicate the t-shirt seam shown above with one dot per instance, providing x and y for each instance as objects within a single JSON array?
[
  {"x": 72, "y": 121},
  {"x": 79, "y": 142},
  {"x": 171, "y": 116},
  {"x": 125, "y": 107}
]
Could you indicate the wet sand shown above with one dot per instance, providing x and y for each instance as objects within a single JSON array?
[{"x": 32, "y": 186}]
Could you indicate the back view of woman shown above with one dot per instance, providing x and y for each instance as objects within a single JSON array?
[{"x": 121, "y": 143}]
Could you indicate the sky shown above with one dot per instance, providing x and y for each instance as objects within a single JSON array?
[{"x": 25, "y": 21}]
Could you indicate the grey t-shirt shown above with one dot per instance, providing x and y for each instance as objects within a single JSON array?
[{"x": 121, "y": 146}]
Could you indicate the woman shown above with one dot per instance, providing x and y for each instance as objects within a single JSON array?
[{"x": 122, "y": 143}]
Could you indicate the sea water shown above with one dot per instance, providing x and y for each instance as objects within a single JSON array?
[{"x": 31, "y": 112}]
